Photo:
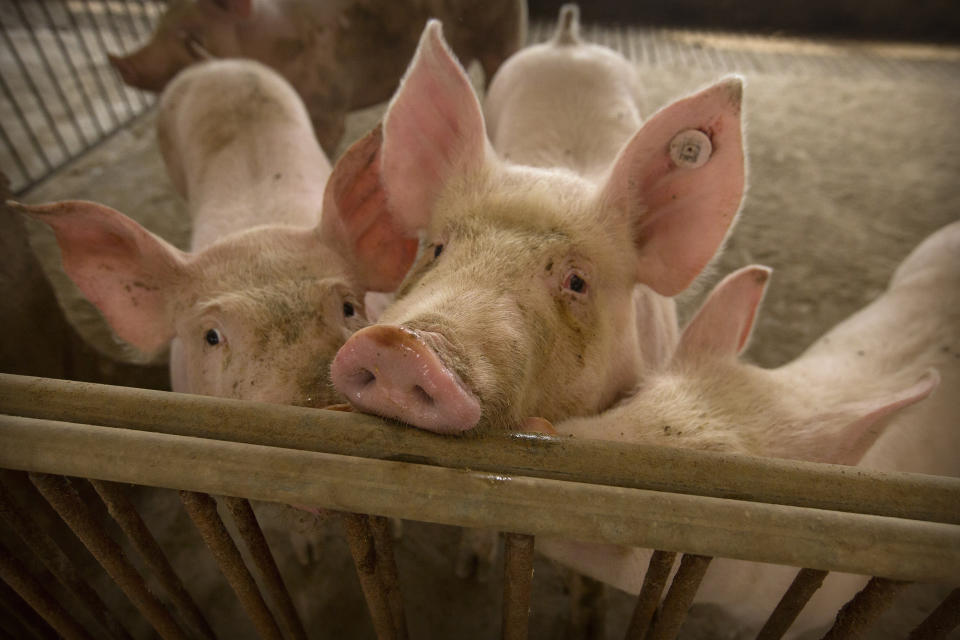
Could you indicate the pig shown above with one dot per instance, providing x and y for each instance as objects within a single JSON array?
[
  {"x": 269, "y": 289},
  {"x": 532, "y": 247},
  {"x": 339, "y": 56},
  {"x": 853, "y": 397}
]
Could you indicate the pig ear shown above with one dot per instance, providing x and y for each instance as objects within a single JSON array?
[
  {"x": 433, "y": 130},
  {"x": 723, "y": 324},
  {"x": 356, "y": 216},
  {"x": 680, "y": 180},
  {"x": 122, "y": 268},
  {"x": 842, "y": 434}
]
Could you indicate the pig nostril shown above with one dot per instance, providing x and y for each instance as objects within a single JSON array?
[
  {"x": 364, "y": 377},
  {"x": 423, "y": 396}
]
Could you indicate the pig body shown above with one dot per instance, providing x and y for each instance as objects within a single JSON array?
[
  {"x": 339, "y": 56},
  {"x": 269, "y": 291},
  {"x": 849, "y": 399},
  {"x": 531, "y": 249}
]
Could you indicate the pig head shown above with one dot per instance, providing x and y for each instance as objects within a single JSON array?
[
  {"x": 520, "y": 302},
  {"x": 258, "y": 314},
  {"x": 339, "y": 55}
]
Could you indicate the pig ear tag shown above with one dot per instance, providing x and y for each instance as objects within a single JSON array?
[{"x": 690, "y": 149}]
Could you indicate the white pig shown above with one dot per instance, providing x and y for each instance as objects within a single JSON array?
[
  {"x": 845, "y": 400},
  {"x": 269, "y": 291},
  {"x": 519, "y": 303}
]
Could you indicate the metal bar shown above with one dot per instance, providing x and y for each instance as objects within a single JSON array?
[
  {"x": 252, "y": 536},
  {"x": 8, "y": 143},
  {"x": 57, "y": 562},
  {"x": 941, "y": 621},
  {"x": 359, "y": 536},
  {"x": 769, "y": 480},
  {"x": 117, "y": 83},
  {"x": 16, "y": 575},
  {"x": 51, "y": 75},
  {"x": 588, "y": 608},
  {"x": 125, "y": 514},
  {"x": 94, "y": 67},
  {"x": 203, "y": 511},
  {"x": 852, "y": 543},
  {"x": 19, "y": 612},
  {"x": 389, "y": 576},
  {"x": 679, "y": 597},
  {"x": 63, "y": 497},
  {"x": 862, "y": 611},
  {"x": 517, "y": 581},
  {"x": 118, "y": 36},
  {"x": 661, "y": 562},
  {"x": 791, "y": 604}
]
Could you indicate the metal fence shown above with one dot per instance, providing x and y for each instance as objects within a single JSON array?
[
  {"x": 694, "y": 504},
  {"x": 59, "y": 97}
]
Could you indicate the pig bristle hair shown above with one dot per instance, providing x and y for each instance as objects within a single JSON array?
[{"x": 568, "y": 26}]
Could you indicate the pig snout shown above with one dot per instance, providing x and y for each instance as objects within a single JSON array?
[{"x": 391, "y": 371}]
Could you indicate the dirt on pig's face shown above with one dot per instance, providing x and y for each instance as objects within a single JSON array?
[
  {"x": 264, "y": 324},
  {"x": 526, "y": 303}
]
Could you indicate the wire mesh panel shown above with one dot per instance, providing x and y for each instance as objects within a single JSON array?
[{"x": 58, "y": 94}]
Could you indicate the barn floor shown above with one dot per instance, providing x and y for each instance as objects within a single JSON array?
[{"x": 853, "y": 160}]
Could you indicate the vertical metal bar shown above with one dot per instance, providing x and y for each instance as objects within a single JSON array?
[
  {"x": 94, "y": 67},
  {"x": 18, "y": 611},
  {"x": 8, "y": 143},
  {"x": 363, "y": 549},
  {"x": 108, "y": 13},
  {"x": 57, "y": 562},
  {"x": 791, "y": 604},
  {"x": 63, "y": 497},
  {"x": 941, "y": 621},
  {"x": 661, "y": 562},
  {"x": 256, "y": 543},
  {"x": 8, "y": 94},
  {"x": 517, "y": 580},
  {"x": 51, "y": 75},
  {"x": 588, "y": 608},
  {"x": 118, "y": 84},
  {"x": 132, "y": 525},
  {"x": 16, "y": 575},
  {"x": 679, "y": 597},
  {"x": 389, "y": 576},
  {"x": 862, "y": 611},
  {"x": 203, "y": 511},
  {"x": 65, "y": 54}
]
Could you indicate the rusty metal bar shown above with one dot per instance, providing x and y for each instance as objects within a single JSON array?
[
  {"x": 517, "y": 581},
  {"x": 18, "y": 577},
  {"x": 202, "y": 509},
  {"x": 588, "y": 608},
  {"x": 941, "y": 621},
  {"x": 658, "y": 571},
  {"x": 389, "y": 576},
  {"x": 25, "y": 622},
  {"x": 672, "y": 469},
  {"x": 679, "y": 597},
  {"x": 852, "y": 543},
  {"x": 862, "y": 611},
  {"x": 791, "y": 604},
  {"x": 63, "y": 497},
  {"x": 364, "y": 551},
  {"x": 125, "y": 514},
  {"x": 251, "y": 534},
  {"x": 57, "y": 562}
]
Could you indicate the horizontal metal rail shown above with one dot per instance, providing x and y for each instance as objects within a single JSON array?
[
  {"x": 748, "y": 478},
  {"x": 892, "y": 548}
]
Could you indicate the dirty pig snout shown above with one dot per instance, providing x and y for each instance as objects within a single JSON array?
[{"x": 390, "y": 371}]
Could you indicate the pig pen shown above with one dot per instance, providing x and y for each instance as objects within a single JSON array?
[{"x": 852, "y": 159}]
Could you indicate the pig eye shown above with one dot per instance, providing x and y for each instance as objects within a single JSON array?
[
  {"x": 348, "y": 310},
  {"x": 437, "y": 250},
  {"x": 213, "y": 337},
  {"x": 574, "y": 282}
]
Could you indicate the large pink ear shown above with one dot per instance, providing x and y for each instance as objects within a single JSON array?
[
  {"x": 433, "y": 130},
  {"x": 681, "y": 180},
  {"x": 844, "y": 432},
  {"x": 122, "y": 268},
  {"x": 356, "y": 216},
  {"x": 723, "y": 324}
]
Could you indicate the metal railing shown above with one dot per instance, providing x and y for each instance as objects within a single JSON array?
[{"x": 695, "y": 504}]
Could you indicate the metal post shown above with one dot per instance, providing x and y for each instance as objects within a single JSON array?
[
  {"x": 791, "y": 604},
  {"x": 862, "y": 611},
  {"x": 661, "y": 562},
  {"x": 389, "y": 576},
  {"x": 941, "y": 621},
  {"x": 679, "y": 597},
  {"x": 517, "y": 579},
  {"x": 364, "y": 551}
]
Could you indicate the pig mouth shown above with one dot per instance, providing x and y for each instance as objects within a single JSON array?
[{"x": 396, "y": 372}]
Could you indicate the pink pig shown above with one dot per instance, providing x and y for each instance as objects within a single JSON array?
[
  {"x": 846, "y": 400},
  {"x": 520, "y": 301},
  {"x": 339, "y": 55},
  {"x": 269, "y": 291}
]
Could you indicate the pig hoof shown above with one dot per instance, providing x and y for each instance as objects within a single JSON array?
[{"x": 690, "y": 149}]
